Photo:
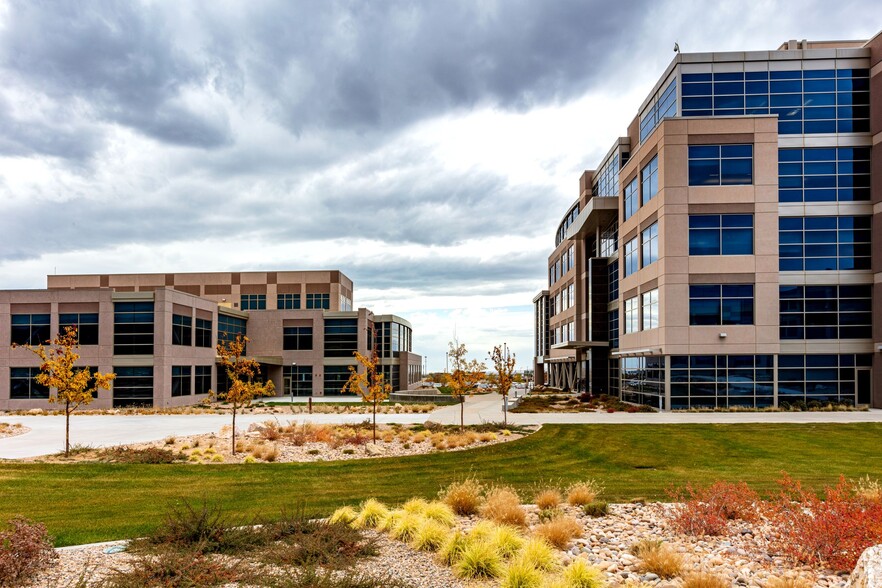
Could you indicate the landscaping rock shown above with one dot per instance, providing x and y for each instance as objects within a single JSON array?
[{"x": 868, "y": 571}]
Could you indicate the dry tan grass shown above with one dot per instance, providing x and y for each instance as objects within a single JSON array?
[
  {"x": 581, "y": 493},
  {"x": 559, "y": 531},
  {"x": 503, "y": 506},
  {"x": 789, "y": 582},
  {"x": 662, "y": 561},
  {"x": 463, "y": 497},
  {"x": 705, "y": 580},
  {"x": 548, "y": 498}
]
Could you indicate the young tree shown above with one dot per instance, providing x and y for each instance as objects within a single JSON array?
[
  {"x": 369, "y": 384},
  {"x": 73, "y": 386},
  {"x": 504, "y": 363},
  {"x": 464, "y": 377},
  {"x": 242, "y": 373}
]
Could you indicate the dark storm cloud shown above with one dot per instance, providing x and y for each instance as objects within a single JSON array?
[
  {"x": 119, "y": 58},
  {"x": 360, "y": 67}
]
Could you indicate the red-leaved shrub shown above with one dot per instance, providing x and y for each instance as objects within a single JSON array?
[
  {"x": 25, "y": 547},
  {"x": 707, "y": 511},
  {"x": 832, "y": 532}
]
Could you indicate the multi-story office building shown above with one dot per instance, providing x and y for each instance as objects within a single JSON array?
[
  {"x": 728, "y": 251},
  {"x": 158, "y": 333}
]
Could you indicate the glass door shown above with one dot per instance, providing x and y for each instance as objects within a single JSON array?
[{"x": 864, "y": 385}]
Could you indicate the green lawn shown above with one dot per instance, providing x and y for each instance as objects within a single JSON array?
[{"x": 95, "y": 502}]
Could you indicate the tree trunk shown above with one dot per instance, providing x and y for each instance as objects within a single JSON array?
[
  {"x": 233, "y": 449},
  {"x": 67, "y": 429},
  {"x": 461, "y": 413},
  {"x": 505, "y": 410},
  {"x": 375, "y": 421}
]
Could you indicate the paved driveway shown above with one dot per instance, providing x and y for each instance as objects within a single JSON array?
[{"x": 47, "y": 432}]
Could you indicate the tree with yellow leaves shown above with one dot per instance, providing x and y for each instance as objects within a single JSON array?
[
  {"x": 369, "y": 383},
  {"x": 504, "y": 363},
  {"x": 74, "y": 387},
  {"x": 464, "y": 377},
  {"x": 243, "y": 374}
]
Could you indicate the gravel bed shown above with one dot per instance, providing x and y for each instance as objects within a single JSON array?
[
  {"x": 11, "y": 430},
  {"x": 743, "y": 556}
]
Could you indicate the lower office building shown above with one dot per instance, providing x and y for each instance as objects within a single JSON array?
[
  {"x": 158, "y": 333},
  {"x": 727, "y": 252}
]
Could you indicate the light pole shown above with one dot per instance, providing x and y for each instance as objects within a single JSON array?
[
  {"x": 446, "y": 358},
  {"x": 291, "y": 381}
]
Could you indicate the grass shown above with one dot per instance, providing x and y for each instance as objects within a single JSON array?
[{"x": 82, "y": 503}]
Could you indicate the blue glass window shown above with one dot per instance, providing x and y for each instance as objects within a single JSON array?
[
  {"x": 649, "y": 180},
  {"x": 721, "y": 304},
  {"x": 663, "y": 105},
  {"x": 720, "y": 165},
  {"x": 715, "y": 234},
  {"x": 649, "y": 237},
  {"x": 803, "y": 100},
  {"x": 631, "y": 199},
  {"x": 826, "y": 312},
  {"x": 631, "y": 260},
  {"x": 824, "y": 243},
  {"x": 824, "y": 174}
]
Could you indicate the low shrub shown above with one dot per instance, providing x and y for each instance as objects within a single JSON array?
[
  {"x": 301, "y": 541},
  {"x": 388, "y": 522},
  {"x": 463, "y": 497},
  {"x": 581, "y": 493},
  {"x": 173, "y": 568},
  {"x": 503, "y": 506},
  {"x": 705, "y": 580},
  {"x": 597, "y": 508},
  {"x": 540, "y": 554},
  {"x": 831, "y": 532},
  {"x": 312, "y": 577},
  {"x": 521, "y": 573},
  {"x": 549, "y": 514},
  {"x": 370, "y": 515},
  {"x": 581, "y": 575},
  {"x": 25, "y": 548},
  {"x": 548, "y": 498},
  {"x": 414, "y": 506},
  {"x": 478, "y": 560},
  {"x": 270, "y": 431},
  {"x": 707, "y": 511},
  {"x": 663, "y": 561},
  {"x": 560, "y": 531}
]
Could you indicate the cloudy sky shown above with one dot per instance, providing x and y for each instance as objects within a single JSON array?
[{"x": 426, "y": 149}]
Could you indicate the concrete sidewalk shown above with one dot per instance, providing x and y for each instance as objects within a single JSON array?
[{"x": 47, "y": 432}]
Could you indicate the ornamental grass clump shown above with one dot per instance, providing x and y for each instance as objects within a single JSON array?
[
  {"x": 344, "y": 515},
  {"x": 581, "y": 575},
  {"x": 663, "y": 561},
  {"x": 539, "y": 554},
  {"x": 463, "y": 497},
  {"x": 559, "y": 531},
  {"x": 503, "y": 506},
  {"x": 406, "y": 527},
  {"x": 429, "y": 535},
  {"x": 705, "y": 580},
  {"x": 582, "y": 493},
  {"x": 439, "y": 512},
  {"x": 548, "y": 499},
  {"x": 479, "y": 560},
  {"x": 372, "y": 512},
  {"x": 506, "y": 541},
  {"x": 520, "y": 573},
  {"x": 414, "y": 506},
  {"x": 452, "y": 548}
]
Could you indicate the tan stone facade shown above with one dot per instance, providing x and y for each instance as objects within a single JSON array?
[
  {"x": 797, "y": 314},
  {"x": 301, "y": 327}
]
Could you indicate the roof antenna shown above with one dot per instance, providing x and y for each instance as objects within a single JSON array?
[{"x": 676, "y": 47}]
